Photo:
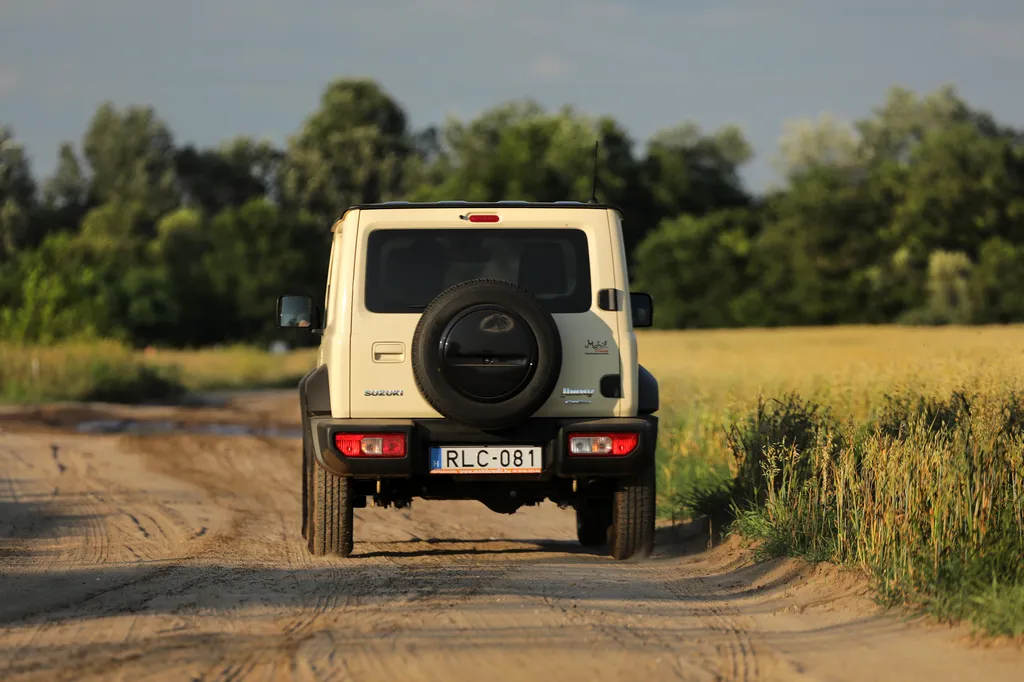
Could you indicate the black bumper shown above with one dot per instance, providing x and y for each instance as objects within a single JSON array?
[{"x": 549, "y": 434}]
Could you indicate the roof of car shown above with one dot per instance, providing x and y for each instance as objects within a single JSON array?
[{"x": 483, "y": 204}]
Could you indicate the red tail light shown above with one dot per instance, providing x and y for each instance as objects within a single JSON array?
[
  {"x": 483, "y": 218},
  {"x": 370, "y": 444},
  {"x": 602, "y": 444}
]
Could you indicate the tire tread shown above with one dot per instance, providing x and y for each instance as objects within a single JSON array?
[
  {"x": 633, "y": 509},
  {"x": 331, "y": 512}
]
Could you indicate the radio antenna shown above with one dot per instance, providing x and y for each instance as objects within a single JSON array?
[{"x": 593, "y": 191}]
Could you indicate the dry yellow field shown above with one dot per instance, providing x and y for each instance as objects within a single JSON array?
[
  {"x": 926, "y": 492},
  {"x": 848, "y": 367},
  {"x": 96, "y": 370},
  {"x": 235, "y": 366}
]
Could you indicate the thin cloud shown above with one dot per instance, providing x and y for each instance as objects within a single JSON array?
[
  {"x": 736, "y": 16},
  {"x": 10, "y": 79},
  {"x": 58, "y": 10},
  {"x": 750, "y": 13},
  {"x": 550, "y": 67},
  {"x": 999, "y": 37}
]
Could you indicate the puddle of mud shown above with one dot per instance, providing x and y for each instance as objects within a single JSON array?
[{"x": 157, "y": 427}]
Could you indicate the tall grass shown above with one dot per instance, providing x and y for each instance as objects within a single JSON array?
[
  {"x": 930, "y": 498},
  {"x": 236, "y": 367},
  {"x": 901, "y": 451},
  {"x": 95, "y": 371},
  {"x": 110, "y": 372}
]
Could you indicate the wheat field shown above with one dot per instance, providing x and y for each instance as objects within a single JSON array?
[
  {"x": 898, "y": 450},
  {"x": 848, "y": 367},
  {"x": 720, "y": 369}
]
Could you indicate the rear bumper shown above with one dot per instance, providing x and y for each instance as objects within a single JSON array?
[{"x": 549, "y": 434}]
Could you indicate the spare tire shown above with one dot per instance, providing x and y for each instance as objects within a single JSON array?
[{"x": 486, "y": 354}]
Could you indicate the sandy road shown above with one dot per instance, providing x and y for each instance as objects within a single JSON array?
[{"x": 179, "y": 557}]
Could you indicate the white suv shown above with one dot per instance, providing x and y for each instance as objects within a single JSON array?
[{"x": 478, "y": 351}]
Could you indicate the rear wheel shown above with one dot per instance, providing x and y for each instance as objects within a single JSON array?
[
  {"x": 632, "y": 528},
  {"x": 328, "y": 508},
  {"x": 307, "y": 472},
  {"x": 593, "y": 519}
]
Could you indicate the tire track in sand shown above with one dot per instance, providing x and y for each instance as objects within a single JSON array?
[{"x": 234, "y": 595}]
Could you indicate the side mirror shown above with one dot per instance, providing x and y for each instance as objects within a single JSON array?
[
  {"x": 296, "y": 311},
  {"x": 642, "y": 307}
]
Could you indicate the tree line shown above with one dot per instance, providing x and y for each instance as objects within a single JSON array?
[{"x": 914, "y": 214}]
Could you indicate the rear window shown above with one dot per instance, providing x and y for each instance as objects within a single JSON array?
[{"x": 406, "y": 269}]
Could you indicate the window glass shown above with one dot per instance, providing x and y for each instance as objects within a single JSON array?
[{"x": 406, "y": 269}]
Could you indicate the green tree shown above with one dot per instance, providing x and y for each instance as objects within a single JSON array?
[
  {"x": 813, "y": 261},
  {"x": 256, "y": 253},
  {"x": 67, "y": 194},
  {"x": 810, "y": 144},
  {"x": 17, "y": 195},
  {"x": 353, "y": 149},
  {"x": 905, "y": 119},
  {"x": 116, "y": 232},
  {"x": 112, "y": 244},
  {"x": 60, "y": 293},
  {"x": 949, "y": 294},
  {"x": 130, "y": 153},
  {"x": 183, "y": 310},
  {"x": 516, "y": 151},
  {"x": 520, "y": 151},
  {"x": 695, "y": 267},
  {"x": 961, "y": 188},
  {"x": 952, "y": 179},
  {"x": 913, "y": 213},
  {"x": 241, "y": 169},
  {"x": 998, "y": 283},
  {"x": 688, "y": 172}
]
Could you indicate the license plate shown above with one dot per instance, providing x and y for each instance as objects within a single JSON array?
[{"x": 485, "y": 459}]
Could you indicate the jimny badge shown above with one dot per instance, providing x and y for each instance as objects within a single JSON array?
[{"x": 596, "y": 348}]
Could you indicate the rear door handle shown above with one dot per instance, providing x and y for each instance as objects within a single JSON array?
[{"x": 388, "y": 352}]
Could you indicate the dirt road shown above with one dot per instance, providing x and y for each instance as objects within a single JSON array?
[{"x": 179, "y": 557}]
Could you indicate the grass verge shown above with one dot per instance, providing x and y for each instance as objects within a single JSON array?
[
  {"x": 235, "y": 367},
  {"x": 103, "y": 372},
  {"x": 109, "y": 372},
  {"x": 928, "y": 494}
]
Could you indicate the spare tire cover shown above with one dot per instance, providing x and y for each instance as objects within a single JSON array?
[{"x": 486, "y": 354}]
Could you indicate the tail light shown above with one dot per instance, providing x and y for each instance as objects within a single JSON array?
[
  {"x": 602, "y": 444},
  {"x": 370, "y": 444}
]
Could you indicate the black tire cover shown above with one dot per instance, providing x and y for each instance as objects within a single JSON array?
[{"x": 486, "y": 354}]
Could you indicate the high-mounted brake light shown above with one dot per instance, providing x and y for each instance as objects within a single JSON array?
[
  {"x": 483, "y": 218},
  {"x": 370, "y": 444},
  {"x": 602, "y": 444}
]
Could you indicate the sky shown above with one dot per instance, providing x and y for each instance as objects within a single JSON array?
[{"x": 217, "y": 68}]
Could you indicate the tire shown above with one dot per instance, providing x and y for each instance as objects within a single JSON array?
[
  {"x": 329, "y": 512},
  {"x": 633, "y": 508},
  {"x": 593, "y": 520},
  {"x": 522, "y": 323},
  {"x": 307, "y": 472}
]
